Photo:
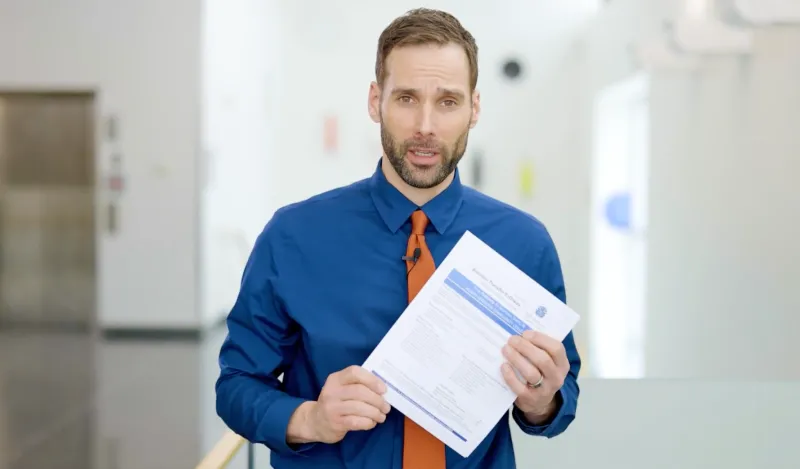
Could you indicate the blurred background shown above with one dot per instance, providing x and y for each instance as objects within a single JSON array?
[{"x": 144, "y": 144}]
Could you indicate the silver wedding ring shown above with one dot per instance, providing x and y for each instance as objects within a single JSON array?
[{"x": 538, "y": 383}]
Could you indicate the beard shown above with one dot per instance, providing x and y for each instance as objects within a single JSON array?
[{"x": 429, "y": 176}]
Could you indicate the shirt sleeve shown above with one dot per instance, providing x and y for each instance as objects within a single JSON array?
[
  {"x": 261, "y": 342},
  {"x": 551, "y": 277}
]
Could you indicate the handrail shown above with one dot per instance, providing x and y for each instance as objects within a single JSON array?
[{"x": 222, "y": 453}]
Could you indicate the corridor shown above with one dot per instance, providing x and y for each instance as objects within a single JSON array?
[{"x": 641, "y": 154}]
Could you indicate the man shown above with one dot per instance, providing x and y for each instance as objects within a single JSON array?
[{"x": 329, "y": 276}]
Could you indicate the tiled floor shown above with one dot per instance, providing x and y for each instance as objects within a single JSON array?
[{"x": 71, "y": 401}]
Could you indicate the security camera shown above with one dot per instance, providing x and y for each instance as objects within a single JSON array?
[{"x": 512, "y": 69}]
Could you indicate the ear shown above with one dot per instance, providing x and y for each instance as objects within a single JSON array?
[
  {"x": 476, "y": 109},
  {"x": 374, "y": 102}
]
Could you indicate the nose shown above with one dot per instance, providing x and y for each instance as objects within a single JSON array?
[{"x": 425, "y": 120}]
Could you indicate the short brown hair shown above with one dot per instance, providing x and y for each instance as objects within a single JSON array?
[{"x": 426, "y": 26}]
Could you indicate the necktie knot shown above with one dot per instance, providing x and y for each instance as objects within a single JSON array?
[{"x": 419, "y": 221}]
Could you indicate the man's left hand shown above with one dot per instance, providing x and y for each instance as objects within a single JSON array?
[{"x": 539, "y": 359}]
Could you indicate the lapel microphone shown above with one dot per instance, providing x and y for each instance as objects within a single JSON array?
[{"x": 415, "y": 257}]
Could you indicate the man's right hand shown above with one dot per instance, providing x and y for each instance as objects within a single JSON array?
[{"x": 350, "y": 400}]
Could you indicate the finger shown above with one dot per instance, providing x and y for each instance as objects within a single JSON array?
[
  {"x": 523, "y": 365},
  {"x": 553, "y": 347},
  {"x": 359, "y": 375},
  {"x": 539, "y": 357},
  {"x": 517, "y": 386},
  {"x": 360, "y": 392},
  {"x": 361, "y": 409},
  {"x": 356, "y": 423}
]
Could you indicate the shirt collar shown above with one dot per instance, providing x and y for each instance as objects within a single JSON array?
[{"x": 396, "y": 209}]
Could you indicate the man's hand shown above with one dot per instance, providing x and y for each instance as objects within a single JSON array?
[
  {"x": 535, "y": 356},
  {"x": 350, "y": 400}
]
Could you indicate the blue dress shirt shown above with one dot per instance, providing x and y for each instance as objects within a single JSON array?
[{"x": 325, "y": 282}]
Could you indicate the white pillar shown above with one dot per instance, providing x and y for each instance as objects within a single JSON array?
[{"x": 724, "y": 231}]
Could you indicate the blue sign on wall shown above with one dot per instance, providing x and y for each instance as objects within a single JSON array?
[{"x": 618, "y": 211}]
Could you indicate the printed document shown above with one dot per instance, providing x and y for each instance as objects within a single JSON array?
[{"x": 441, "y": 361}]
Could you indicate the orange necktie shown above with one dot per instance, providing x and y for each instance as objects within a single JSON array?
[{"x": 421, "y": 450}]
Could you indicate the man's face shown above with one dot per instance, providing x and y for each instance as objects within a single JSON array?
[{"x": 426, "y": 111}]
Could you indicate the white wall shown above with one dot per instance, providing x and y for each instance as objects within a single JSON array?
[
  {"x": 142, "y": 59},
  {"x": 724, "y": 256},
  {"x": 196, "y": 94},
  {"x": 331, "y": 63},
  {"x": 721, "y": 257},
  {"x": 241, "y": 45}
]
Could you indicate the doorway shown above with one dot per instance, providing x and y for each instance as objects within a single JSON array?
[
  {"x": 47, "y": 213},
  {"x": 618, "y": 275}
]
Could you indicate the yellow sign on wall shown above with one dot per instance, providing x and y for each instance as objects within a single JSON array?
[{"x": 526, "y": 179}]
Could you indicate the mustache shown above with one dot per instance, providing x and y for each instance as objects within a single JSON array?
[{"x": 430, "y": 145}]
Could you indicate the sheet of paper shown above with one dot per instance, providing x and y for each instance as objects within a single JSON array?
[{"x": 441, "y": 360}]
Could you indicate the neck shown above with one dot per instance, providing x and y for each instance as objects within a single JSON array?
[{"x": 415, "y": 194}]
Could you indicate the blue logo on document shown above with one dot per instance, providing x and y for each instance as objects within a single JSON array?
[{"x": 541, "y": 311}]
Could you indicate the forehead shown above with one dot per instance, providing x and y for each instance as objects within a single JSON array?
[{"x": 428, "y": 65}]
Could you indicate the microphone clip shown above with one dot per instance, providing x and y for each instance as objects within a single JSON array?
[{"x": 415, "y": 257}]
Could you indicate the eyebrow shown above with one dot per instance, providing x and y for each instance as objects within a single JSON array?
[{"x": 445, "y": 91}]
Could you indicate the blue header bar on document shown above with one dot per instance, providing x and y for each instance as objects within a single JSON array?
[{"x": 485, "y": 303}]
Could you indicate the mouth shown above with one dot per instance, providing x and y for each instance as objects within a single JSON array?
[{"x": 422, "y": 157}]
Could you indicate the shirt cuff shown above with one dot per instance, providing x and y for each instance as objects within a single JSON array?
[
  {"x": 275, "y": 423},
  {"x": 546, "y": 429}
]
